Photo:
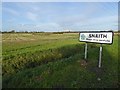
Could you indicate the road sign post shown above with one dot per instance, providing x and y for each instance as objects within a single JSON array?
[
  {"x": 100, "y": 56},
  {"x": 85, "y": 51}
]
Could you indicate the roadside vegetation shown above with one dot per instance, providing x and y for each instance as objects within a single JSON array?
[{"x": 56, "y": 60}]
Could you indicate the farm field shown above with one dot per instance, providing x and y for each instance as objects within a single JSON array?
[{"x": 47, "y": 60}]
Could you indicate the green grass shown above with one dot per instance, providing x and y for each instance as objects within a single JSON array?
[{"x": 55, "y": 60}]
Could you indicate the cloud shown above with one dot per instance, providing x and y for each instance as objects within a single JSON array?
[
  {"x": 104, "y": 20},
  {"x": 82, "y": 15},
  {"x": 31, "y": 16},
  {"x": 11, "y": 11},
  {"x": 48, "y": 27},
  {"x": 92, "y": 21},
  {"x": 59, "y": 16},
  {"x": 36, "y": 27}
]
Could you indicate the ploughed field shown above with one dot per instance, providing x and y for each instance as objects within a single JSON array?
[{"x": 42, "y": 60}]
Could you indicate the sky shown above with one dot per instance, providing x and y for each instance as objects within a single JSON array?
[
  {"x": 59, "y": 16},
  {"x": 60, "y": 0}
]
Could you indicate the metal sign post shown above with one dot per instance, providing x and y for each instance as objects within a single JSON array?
[
  {"x": 100, "y": 55},
  {"x": 85, "y": 51}
]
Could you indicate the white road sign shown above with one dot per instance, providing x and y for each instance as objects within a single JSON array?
[{"x": 97, "y": 37}]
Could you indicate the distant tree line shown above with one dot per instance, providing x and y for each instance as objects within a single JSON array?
[{"x": 13, "y": 31}]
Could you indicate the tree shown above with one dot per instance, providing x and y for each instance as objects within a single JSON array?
[{"x": 12, "y": 31}]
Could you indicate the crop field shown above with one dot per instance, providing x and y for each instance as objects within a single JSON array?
[{"x": 51, "y": 60}]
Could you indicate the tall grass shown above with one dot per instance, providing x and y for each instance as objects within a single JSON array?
[{"x": 37, "y": 58}]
